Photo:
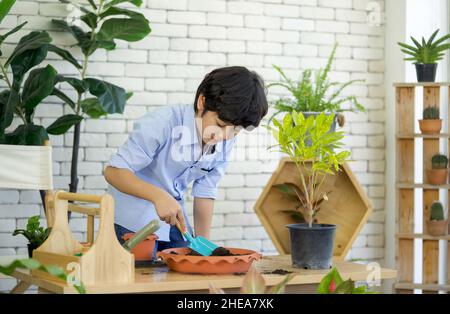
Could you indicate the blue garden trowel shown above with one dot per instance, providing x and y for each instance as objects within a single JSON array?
[{"x": 198, "y": 244}]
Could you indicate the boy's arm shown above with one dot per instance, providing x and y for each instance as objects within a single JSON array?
[
  {"x": 167, "y": 208},
  {"x": 203, "y": 212}
]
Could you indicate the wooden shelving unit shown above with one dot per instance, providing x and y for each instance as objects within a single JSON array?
[{"x": 406, "y": 187}]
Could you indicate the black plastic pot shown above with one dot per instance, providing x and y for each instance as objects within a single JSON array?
[
  {"x": 312, "y": 247},
  {"x": 31, "y": 247},
  {"x": 426, "y": 72}
]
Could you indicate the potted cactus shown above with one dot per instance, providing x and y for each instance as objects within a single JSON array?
[
  {"x": 439, "y": 172},
  {"x": 437, "y": 225},
  {"x": 426, "y": 54},
  {"x": 311, "y": 243},
  {"x": 430, "y": 124}
]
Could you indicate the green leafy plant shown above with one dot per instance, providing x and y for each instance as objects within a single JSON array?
[
  {"x": 32, "y": 264},
  {"x": 314, "y": 95},
  {"x": 106, "y": 22},
  {"x": 439, "y": 161},
  {"x": 34, "y": 233},
  {"x": 437, "y": 211},
  {"x": 29, "y": 84},
  {"x": 333, "y": 283},
  {"x": 254, "y": 283},
  {"x": 431, "y": 113},
  {"x": 313, "y": 147},
  {"x": 428, "y": 52}
]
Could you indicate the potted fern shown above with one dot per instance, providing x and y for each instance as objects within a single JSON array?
[
  {"x": 425, "y": 55},
  {"x": 311, "y": 243},
  {"x": 311, "y": 96}
]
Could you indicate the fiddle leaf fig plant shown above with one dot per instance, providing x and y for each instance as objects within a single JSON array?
[
  {"x": 29, "y": 84},
  {"x": 314, "y": 150},
  {"x": 104, "y": 23}
]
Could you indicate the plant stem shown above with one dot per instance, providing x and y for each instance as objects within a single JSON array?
[
  {"x": 6, "y": 79},
  {"x": 76, "y": 134}
]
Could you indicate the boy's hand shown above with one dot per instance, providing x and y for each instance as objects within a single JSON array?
[{"x": 168, "y": 209}]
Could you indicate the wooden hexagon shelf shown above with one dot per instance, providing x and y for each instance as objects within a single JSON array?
[{"x": 348, "y": 207}]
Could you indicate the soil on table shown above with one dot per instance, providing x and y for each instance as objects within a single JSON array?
[
  {"x": 220, "y": 251},
  {"x": 278, "y": 272}
]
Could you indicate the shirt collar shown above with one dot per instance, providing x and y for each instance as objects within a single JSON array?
[{"x": 189, "y": 122}]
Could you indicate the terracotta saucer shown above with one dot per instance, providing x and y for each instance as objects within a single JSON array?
[{"x": 180, "y": 262}]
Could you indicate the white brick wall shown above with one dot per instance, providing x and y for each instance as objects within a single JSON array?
[{"x": 188, "y": 39}]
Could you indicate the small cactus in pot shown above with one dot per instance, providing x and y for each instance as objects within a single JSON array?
[
  {"x": 431, "y": 123},
  {"x": 438, "y": 173},
  {"x": 437, "y": 225}
]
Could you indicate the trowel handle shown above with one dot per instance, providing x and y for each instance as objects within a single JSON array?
[
  {"x": 184, "y": 231},
  {"x": 139, "y": 236}
]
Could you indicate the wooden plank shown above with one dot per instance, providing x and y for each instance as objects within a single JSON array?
[
  {"x": 431, "y": 96},
  {"x": 20, "y": 288},
  {"x": 430, "y": 274},
  {"x": 405, "y": 110},
  {"x": 415, "y": 84},
  {"x": 406, "y": 208},
  {"x": 430, "y": 148},
  {"x": 159, "y": 279},
  {"x": 420, "y": 135},
  {"x": 405, "y": 260},
  {"x": 429, "y": 287},
  {"x": 429, "y": 196},
  {"x": 405, "y": 161},
  {"x": 422, "y": 186},
  {"x": 422, "y": 236},
  {"x": 448, "y": 262},
  {"x": 90, "y": 229}
]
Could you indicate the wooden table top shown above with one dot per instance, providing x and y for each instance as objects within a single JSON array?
[{"x": 160, "y": 279}]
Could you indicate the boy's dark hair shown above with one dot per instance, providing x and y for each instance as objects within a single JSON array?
[{"x": 236, "y": 94}]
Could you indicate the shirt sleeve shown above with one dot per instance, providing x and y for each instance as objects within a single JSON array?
[
  {"x": 206, "y": 186},
  {"x": 148, "y": 136}
]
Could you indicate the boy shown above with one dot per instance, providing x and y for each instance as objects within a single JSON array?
[{"x": 176, "y": 145}]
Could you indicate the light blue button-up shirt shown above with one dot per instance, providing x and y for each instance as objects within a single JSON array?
[{"x": 164, "y": 149}]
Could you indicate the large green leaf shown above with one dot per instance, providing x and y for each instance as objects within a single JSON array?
[
  {"x": 5, "y": 7},
  {"x": 330, "y": 282},
  {"x": 29, "y": 134},
  {"x": 66, "y": 55},
  {"x": 63, "y": 124},
  {"x": 137, "y": 3},
  {"x": 84, "y": 39},
  {"x": 121, "y": 11},
  {"x": 8, "y": 111},
  {"x": 90, "y": 19},
  {"x": 39, "y": 85},
  {"x": 131, "y": 29},
  {"x": 92, "y": 107},
  {"x": 24, "y": 62},
  {"x": 4, "y": 96},
  {"x": 111, "y": 97},
  {"x": 79, "y": 85},
  {"x": 58, "y": 93},
  {"x": 33, "y": 40},
  {"x": 14, "y": 30}
]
